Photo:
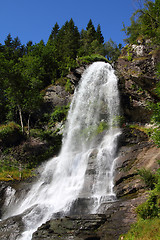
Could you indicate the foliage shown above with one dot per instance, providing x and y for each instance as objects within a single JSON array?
[
  {"x": 59, "y": 114},
  {"x": 10, "y": 133},
  {"x": 68, "y": 86},
  {"x": 112, "y": 51},
  {"x": 11, "y": 169},
  {"x": 143, "y": 230},
  {"x": 91, "y": 58},
  {"x": 26, "y": 70},
  {"x": 102, "y": 126},
  {"x": 145, "y": 23},
  {"x": 155, "y": 108},
  {"x": 150, "y": 208},
  {"x": 149, "y": 178}
]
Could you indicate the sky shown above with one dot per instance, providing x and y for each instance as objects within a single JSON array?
[{"x": 33, "y": 20}]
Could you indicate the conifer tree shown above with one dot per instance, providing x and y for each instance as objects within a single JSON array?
[
  {"x": 99, "y": 35},
  {"x": 54, "y": 32}
]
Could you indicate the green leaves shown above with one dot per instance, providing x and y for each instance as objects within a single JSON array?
[{"x": 145, "y": 23}]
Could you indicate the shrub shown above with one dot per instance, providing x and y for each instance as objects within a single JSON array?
[
  {"x": 68, "y": 86},
  {"x": 10, "y": 134},
  {"x": 59, "y": 114},
  {"x": 150, "y": 208},
  {"x": 149, "y": 178}
]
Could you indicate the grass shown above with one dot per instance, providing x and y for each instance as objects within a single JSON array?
[
  {"x": 16, "y": 174},
  {"x": 148, "y": 229}
]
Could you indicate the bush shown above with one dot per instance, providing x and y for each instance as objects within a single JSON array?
[
  {"x": 151, "y": 208},
  {"x": 92, "y": 58},
  {"x": 156, "y": 136},
  {"x": 149, "y": 178},
  {"x": 59, "y": 114},
  {"x": 10, "y": 134},
  {"x": 143, "y": 230}
]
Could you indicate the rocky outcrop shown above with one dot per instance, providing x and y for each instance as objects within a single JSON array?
[
  {"x": 132, "y": 158},
  {"x": 75, "y": 75},
  {"x": 56, "y": 95},
  {"x": 136, "y": 69},
  {"x": 74, "y": 227}
]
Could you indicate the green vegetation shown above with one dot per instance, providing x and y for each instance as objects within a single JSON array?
[
  {"x": 147, "y": 226},
  {"x": 10, "y": 134},
  {"x": 149, "y": 178},
  {"x": 59, "y": 114},
  {"x": 92, "y": 58},
  {"x": 145, "y": 23},
  {"x": 147, "y": 229}
]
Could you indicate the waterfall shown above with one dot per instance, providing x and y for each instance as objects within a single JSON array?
[{"x": 91, "y": 127}]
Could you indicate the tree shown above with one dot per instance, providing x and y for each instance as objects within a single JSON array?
[
  {"x": 145, "y": 23},
  {"x": 112, "y": 51},
  {"x": 54, "y": 32},
  {"x": 99, "y": 35},
  {"x": 13, "y": 48},
  {"x": 65, "y": 44}
]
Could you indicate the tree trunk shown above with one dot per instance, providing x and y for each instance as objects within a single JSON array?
[
  {"x": 29, "y": 124},
  {"x": 21, "y": 119}
]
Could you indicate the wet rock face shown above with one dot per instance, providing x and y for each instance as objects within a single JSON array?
[
  {"x": 76, "y": 228},
  {"x": 3, "y": 188},
  {"x": 136, "y": 69},
  {"x": 11, "y": 228}
]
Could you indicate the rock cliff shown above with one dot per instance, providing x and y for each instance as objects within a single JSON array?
[{"x": 136, "y": 69}]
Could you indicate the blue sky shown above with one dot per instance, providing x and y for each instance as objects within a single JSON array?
[{"x": 33, "y": 19}]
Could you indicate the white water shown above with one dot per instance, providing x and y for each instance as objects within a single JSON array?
[{"x": 62, "y": 178}]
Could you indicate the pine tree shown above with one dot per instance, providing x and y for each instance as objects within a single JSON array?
[
  {"x": 91, "y": 32},
  {"x": 99, "y": 35},
  {"x": 54, "y": 32}
]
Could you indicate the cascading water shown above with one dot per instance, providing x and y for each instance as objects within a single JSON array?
[{"x": 94, "y": 106}]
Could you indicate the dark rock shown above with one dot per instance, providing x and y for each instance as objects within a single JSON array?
[
  {"x": 75, "y": 75},
  {"x": 74, "y": 227},
  {"x": 3, "y": 188},
  {"x": 11, "y": 228},
  {"x": 131, "y": 136},
  {"x": 56, "y": 95},
  {"x": 119, "y": 217}
]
